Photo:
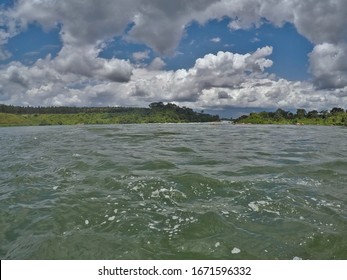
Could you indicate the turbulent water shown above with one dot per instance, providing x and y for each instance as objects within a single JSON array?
[{"x": 173, "y": 191}]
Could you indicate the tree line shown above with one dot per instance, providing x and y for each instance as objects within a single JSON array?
[
  {"x": 336, "y": 116},
  {"x": 21, "y": 110},
  {"x": 157, "y": 112}
]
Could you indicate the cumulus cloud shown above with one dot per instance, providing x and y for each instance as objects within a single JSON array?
[
  {"x": 227, "y": 69},
  {"x": 321, "y": 21},
  {"x": 223, "y": 95},
  {"x": 82, "y": 22},
  {"x": 157, "y": 64},
  {"x": 85, "y": 62},
  {"x": 223, "y": 70},
  {"x": 160, "y": 24},
  {"x": 78, "y": 76},
  {"x": 328, "y": 64},
  {"x": 17, "y": 78},
  {"x": 228, "y": 79}
]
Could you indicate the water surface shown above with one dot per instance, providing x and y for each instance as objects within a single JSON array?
[{"x": 173, "y": 191}]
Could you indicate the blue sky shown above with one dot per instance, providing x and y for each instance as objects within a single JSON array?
[
  {"x": 32, "y": 44},
  {"x": 211, "y": 55}
]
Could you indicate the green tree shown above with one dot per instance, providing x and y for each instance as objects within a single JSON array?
[
  {"x": 336, "y": 110},
  {"x": 301, "y": 113},
  {"x": 313, "y": 114},
  {"x": 280, "y": 114}
]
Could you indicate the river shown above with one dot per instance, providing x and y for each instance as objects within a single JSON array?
[{"x": 173, "y": 191}]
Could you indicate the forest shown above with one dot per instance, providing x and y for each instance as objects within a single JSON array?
[
  {"x": 157, "y": 112},
  {"x": 336, "y": 116}
]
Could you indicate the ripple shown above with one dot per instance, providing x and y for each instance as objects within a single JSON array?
[{"x": 173, "y": 192}]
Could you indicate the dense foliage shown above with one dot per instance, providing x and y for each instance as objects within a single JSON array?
[
  {"x": 156, "y": 113},
  {"x": 336, "y": 116}
]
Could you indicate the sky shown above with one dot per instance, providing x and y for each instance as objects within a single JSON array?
[{"x": 222, "y": 56}]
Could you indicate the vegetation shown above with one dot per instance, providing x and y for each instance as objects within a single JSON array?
[
  {"x": 336, "y": 116},
  {"x": 157, "y": 112}
]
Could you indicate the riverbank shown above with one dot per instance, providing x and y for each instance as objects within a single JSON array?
[
  {"x": 156, "y": 113},
  {"x": 336, "y": 116}
]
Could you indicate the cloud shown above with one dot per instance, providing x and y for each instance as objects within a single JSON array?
[
  {"x": 321, "y": 21},
  {"x": 215, "y": 81},
  {"x": 160, "y": 24},
  {"x": 86, "y": 62},
  {"x": 139, "y": 56},
  {"x": 223, "y": 95},
  {"x": 215, "y": 40},
  {"x": 79, "y": 79},
  {"x": 328, "y": 64},
  {"x": 4, "y": 54},
  {"x": 223, "y": 70},
  {"x": 79, "y": 76},
  {"x": 17, "y": 78},
  {"x": 81, "y": 22},
  {"x": 157, "y": 64}
]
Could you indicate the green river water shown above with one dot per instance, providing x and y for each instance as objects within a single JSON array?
[{"x": 173, "y": 191}]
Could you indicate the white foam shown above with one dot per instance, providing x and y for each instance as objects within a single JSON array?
[
  {"x": 55, "y": 187},
  {"x": 155, "y": 193},
  {"x": 253, "y": 206},
  {"x": 86, "y": 222},
  {"x": 274, "y": 212},
  {"x": 297, "y": 258},
  {"x": 262, "y": 202},
  {"x": 235, "y": 251},
  {"x": 111, "y": 218},
  {"x": 217, "y": 244}
]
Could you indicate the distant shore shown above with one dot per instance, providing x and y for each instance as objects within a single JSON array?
[
  {"x": 156, "y": 113},
  {"x": 336, "y": 116}
]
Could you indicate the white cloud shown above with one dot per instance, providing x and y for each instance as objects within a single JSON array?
[
  {"x": 157, "y": 64},
  {"x": 215, "y": 40},
  {"x": 85, "y": 62},
  {"x": 160, "y": 24},
  {"x": 78, "y": 76},
  {"x": 139, "y": 56},
  {"x": 223, "y": 70},
  {"x": 220, "y": 80}
]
